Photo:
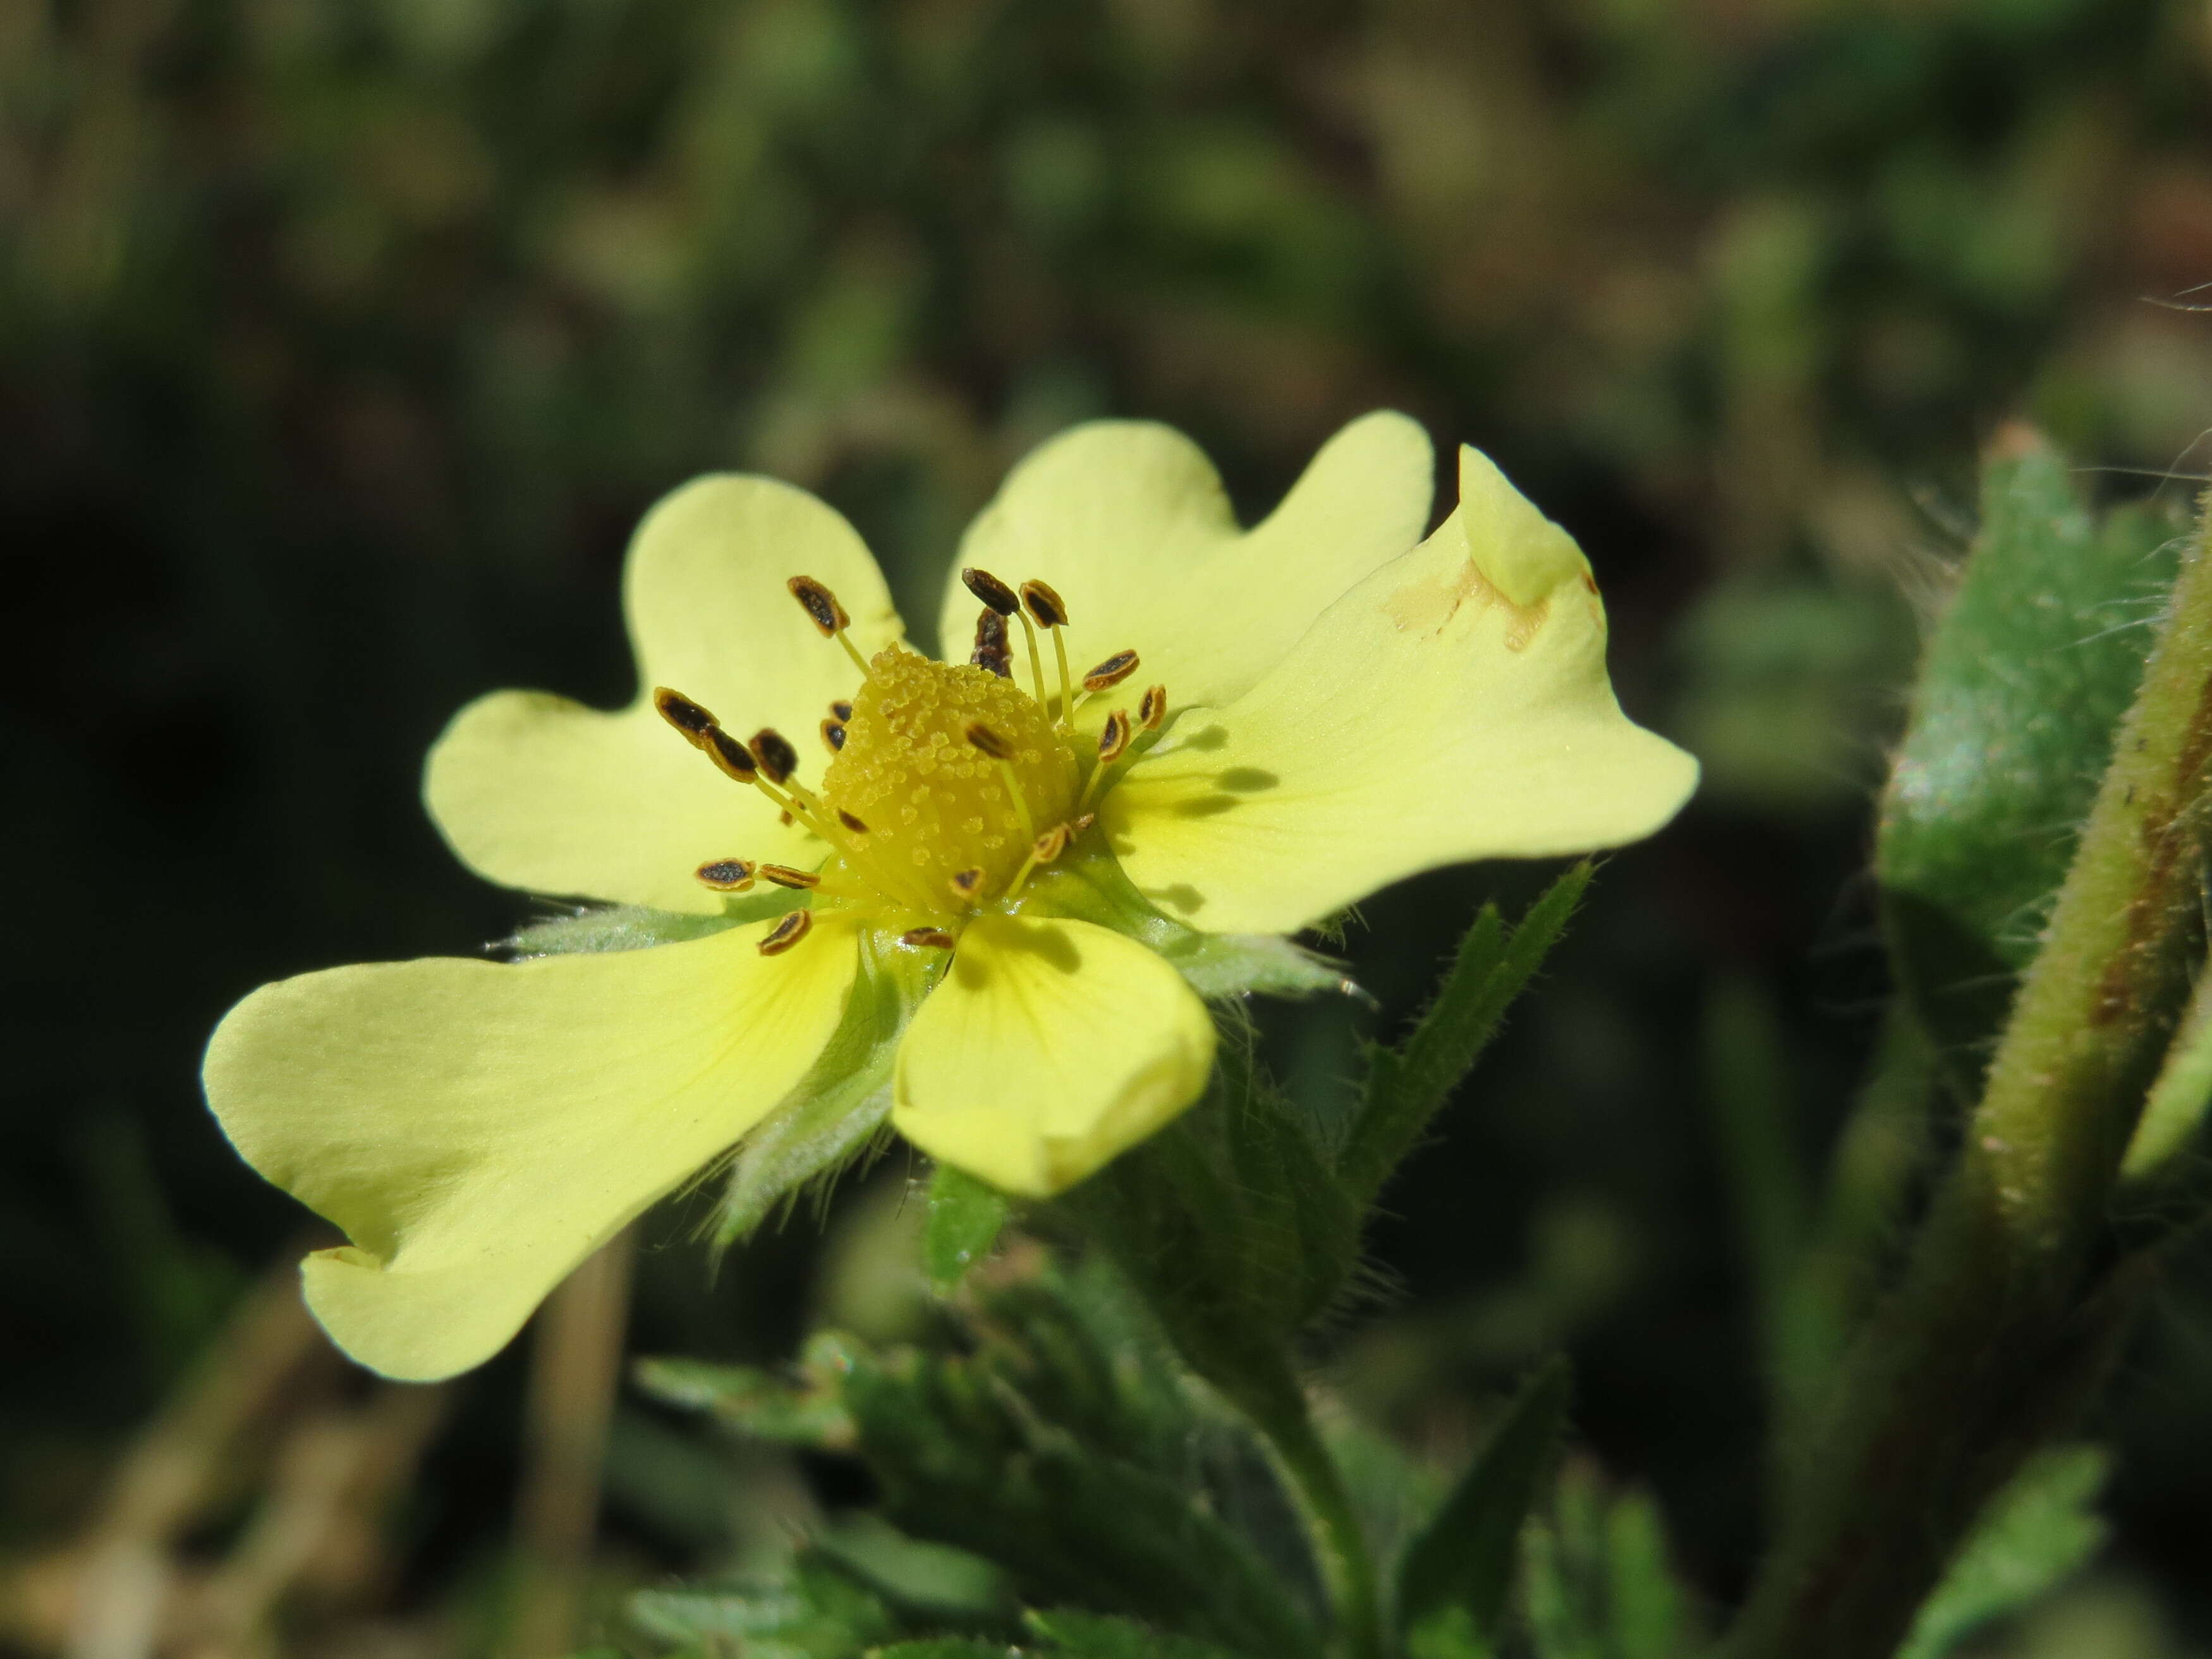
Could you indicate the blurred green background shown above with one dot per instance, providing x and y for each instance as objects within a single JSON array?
[{"x": 342, "y": 341}]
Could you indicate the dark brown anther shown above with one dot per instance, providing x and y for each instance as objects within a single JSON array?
[
  {"x": 988, "y": 741},
  {"x": 1115, "y": 669},
  {"x": 784, "y": 818},
  {"x": 732, "y": 757},
  {"x": 991, "y": 651},
  {"x": 726, "y": 875},
  {"x": 1051, "y": 845},
  {"x": 784, "y": 876},
  {"x": 927, "y": 938},
  {"x": 1152, "y": 707},
  {"x": 787, "y": 932},
  {"x": 820, "y": 604},
  {"x": 851, "y": 823},
  {"x": 685, "y": 715},
  {"x": 777, "y": 758},
  {"x": 833, "y": 736},
  {"x": 989, "y": 589},
  {"x": 842, "y": 712},
  {"x": 1044, "y": 604},
  {"x": 1113, "y": 736},
  {"x": 967, "y": 882}
]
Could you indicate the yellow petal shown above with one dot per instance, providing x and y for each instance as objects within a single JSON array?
[
  {"x": 1430, "y": 717},
  {"x": 537, "y": 792},
  {"x": 1127, "y": 520},
  {"x": 479, "y": 1128},
  {"x": 1049, "y": 1047}
]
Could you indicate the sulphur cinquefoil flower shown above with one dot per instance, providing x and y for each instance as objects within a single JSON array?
[{"x": 1154, "y": 733}]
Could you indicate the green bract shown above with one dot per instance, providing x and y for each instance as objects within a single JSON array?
[{"x": 1345, "y": 704}]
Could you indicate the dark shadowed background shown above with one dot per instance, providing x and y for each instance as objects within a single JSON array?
[{"x": 342, "y": 341}]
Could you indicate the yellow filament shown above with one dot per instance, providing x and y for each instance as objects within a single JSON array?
[
  {"x": 852, "y": 651},
  {"x": 1021, "y": 805},
  {"x": 1066, "y": 681},
  {"x": 1036, "y": 661}
]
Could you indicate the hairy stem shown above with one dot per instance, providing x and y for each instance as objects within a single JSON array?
[{"x": 2007, "y": 1312}]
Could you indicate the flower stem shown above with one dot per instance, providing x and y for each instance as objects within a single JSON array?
[
  {"x": 1339, "y": 1540},
  {"x": 2011, "y": 1307}
]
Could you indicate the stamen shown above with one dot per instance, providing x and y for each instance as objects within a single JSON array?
[
  {"x": 991, "y": 644},
  {"x": 828, "y": 616},
  {"x": 1152, "y": 707},
  {"x": 927, "y": 938},
  {"x": 1113, "y": 743},
  {"x": 997, "y": 748},
  {"x": 726, "y": 875},
  {"x": 851, "y": 823},
  {"x": 833, "y": 736},
  {"x": 734, "y": 759},
  {"x": 983, "y": 737},
  {"x": 685, "y": 715},
  {"x": 787, "y": 932},
  {"x": 989, "y": 589},
  {"x": 1114, "y": 736},
  {"x": 1051, "y": 613},
  {"x": 967, "y": 883},
  {"x": 777, "y": 758},
  {"x": 842, "y": 712},
  {"x": 1043, "y": 850},
  {"x": 1115, "y": 669},
  {"x": 784, "y": 876},
  {"x": 1044, "y": 604}
]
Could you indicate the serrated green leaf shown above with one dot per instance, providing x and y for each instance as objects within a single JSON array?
[
  {"x": 933, "y": 1586},
  {"x": 2040, "y": 1530},
  {"x": 947, "y": 1647},
  {"x": 1408, "y": 1084},
  {"x": 632, "y": 927},
  {"x": 1464, "y": 1557},
  {"x": 1092, "y": 1635},
  {"x": 965, "y": 1216},
  {"x": 2036, "y": 658},
  {"x": 751, "y": 1401},
  {"x": 836, "y": 1111},
  {"x": 814, "y": 1613}
]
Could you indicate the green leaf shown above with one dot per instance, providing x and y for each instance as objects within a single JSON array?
[
  {"x": 752, "y": 1401},
  {"x": 2039, "y": 1531},
  {"x": 1650, "y": 1616},
  {"x": 965, "y": 1216},
  {"x": 1090, "y": 1636},
  {"x": 632, "y": 927},
  {"x": 814, "y": 1612},
  {"x": 836, "y": 1110},
  {"x": 1458, "y": 1568},
  {"x": 1407, "y": 1084},
  {"x": 943, "y": 1647},
  {"x": 2024, "y": 680}
]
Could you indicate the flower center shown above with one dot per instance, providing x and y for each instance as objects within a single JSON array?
[
  {"x": 937, "y": 807},
  {"x": 949, "y": 784}
]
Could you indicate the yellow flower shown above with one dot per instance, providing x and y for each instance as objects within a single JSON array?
[{"x": 1278, "y": 721}]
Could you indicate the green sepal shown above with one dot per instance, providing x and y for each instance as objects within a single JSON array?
[
  {"x": 964, "y": 1219},
  {"x": 2039, "y": 1531},
  {"x": 1094, "y": 888},
  {"x": 1456, "y": 1574},
  {"x": 2025, "y": 680},
  {"x": 1408, "y": 1084},
  {"x": 633, "y": 927},
  {"x": 839, "y": 1108}
]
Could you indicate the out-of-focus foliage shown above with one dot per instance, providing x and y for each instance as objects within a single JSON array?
[{"x": 342, "y": 344}]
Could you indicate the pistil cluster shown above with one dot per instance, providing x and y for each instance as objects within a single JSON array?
[{"x": 949, "y": 785}]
